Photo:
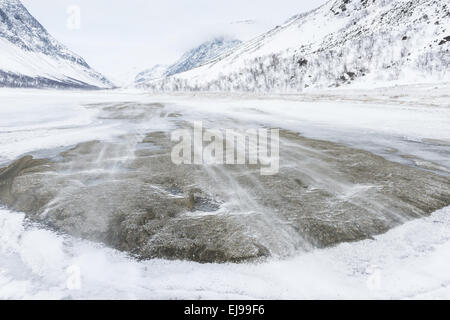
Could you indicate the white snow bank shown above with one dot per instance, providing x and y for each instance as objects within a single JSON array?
[{"x": 408, "y": 262}]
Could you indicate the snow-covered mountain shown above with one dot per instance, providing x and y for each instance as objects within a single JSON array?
[
  {"x": 343, "y": 42},
  {"x": 31, "y": 57},
  {"x": 156, "y": 72},
  {"x": 194, "y": 58}
]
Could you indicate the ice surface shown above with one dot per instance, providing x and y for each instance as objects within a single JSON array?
[
  {"x": 411, "y": 261},
  {"x": 393, "y": 122},
  {"x": 37, "y": 120}
]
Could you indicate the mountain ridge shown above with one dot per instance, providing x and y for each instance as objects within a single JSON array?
[{"x": 31, "y": 57}]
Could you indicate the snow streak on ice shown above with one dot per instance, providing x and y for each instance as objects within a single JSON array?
[{"x": 411, "y": 261}]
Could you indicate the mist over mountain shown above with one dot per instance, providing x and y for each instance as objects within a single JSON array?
[
  {"x": 194, "y": 58},
  {"x": 31, "y": 57}
]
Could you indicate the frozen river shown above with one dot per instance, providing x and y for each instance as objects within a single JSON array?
[{"x": 412, "y": 260}]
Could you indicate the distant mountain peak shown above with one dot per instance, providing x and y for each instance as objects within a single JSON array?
[
  {"x": 156, "y": 72},
  {"x": 196, "y": 57},
  {"x": 205, "y": 52}
]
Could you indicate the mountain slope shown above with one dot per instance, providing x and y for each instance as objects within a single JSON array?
[
  {"x": 194, "y": 58},
  {"x": 156, "y": 72},
  {"x": 340, "y": 43},
  {"x": 31, "y": 57}
]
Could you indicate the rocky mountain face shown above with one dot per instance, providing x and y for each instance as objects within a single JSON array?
[
  {"x": 344, "y": 42},
  {"x": 194, "y": 58},
  {"x": 31, "y": 57}
]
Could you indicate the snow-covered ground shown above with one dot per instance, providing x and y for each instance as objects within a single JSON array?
[{"x": 411, "y": 261}]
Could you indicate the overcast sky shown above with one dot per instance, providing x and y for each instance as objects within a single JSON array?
[{"x": 121, "y": 37}]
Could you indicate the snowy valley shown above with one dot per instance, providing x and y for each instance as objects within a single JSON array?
[{"x": 356, "y": 97}]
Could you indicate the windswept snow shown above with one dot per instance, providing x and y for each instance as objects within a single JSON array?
[{"x": 408, "y": 262}]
